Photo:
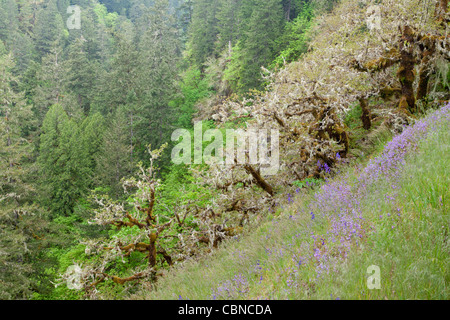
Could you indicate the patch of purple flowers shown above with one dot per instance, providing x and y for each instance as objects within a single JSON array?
[
  {"x": 340, "y": 200},
  {"x": 341, "y": 203},
  {"x": 232, "y": 289}
]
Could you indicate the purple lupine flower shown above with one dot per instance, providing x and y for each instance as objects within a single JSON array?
[
  {"x": 290, "y": 199},
  {"x": 341, "y": 201}
]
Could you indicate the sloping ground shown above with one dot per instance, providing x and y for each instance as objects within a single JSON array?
[{"x": 385, "y": 223}]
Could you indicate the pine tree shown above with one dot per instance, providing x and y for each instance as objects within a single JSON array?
[
  {"x": 68, "y": 157},
  {"x": 26, "y": 12},
  {"x": 51, "y": 152},
  {"x": 50, "y": 82},
  {"x": 121, "y": 88}
]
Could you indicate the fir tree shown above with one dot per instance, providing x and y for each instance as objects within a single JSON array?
[
  {"x": 63, "y": 162},
  {"x": 159, "y": 52},
  {"x": 81, "y": 74},
  {"x": 22, "y": 223},
  {"x": 203, "y": 31},
  {"x": 48, "y": 28},
  {"x": 115, "y": 156},
  {"x": 228, "y": 23},
  {"x": 264, "y": 28}
]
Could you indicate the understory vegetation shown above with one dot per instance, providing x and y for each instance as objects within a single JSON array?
[{"x": 96, "y": 97}]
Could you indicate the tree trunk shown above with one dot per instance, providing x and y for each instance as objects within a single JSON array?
[
  {"x": 259, "y": 180},
  {"x": 152, "y": 250},
  {"x": 406, "y": 70},
  {"x": 365, "y": 116},
  {"x": 424, "y": 77}
]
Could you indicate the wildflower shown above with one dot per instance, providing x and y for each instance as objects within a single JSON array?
[{"x": 290, "y": 199}]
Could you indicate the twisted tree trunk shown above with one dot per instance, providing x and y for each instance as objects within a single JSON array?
[
  {"x": 406, "y": 70},
  {"x": 366, "y": 116}
]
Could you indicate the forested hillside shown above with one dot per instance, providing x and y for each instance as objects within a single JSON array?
[{"x": 95, "y": 97}]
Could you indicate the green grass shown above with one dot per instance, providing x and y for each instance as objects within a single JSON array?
[
  {"x": 412, "y": 250},
  {"x": 407, "y": 239}
]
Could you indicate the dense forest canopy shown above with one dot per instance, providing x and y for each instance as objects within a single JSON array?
[{"x": 87, "y": 114}]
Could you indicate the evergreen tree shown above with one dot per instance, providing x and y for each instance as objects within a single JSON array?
[
  {"x": 51, "y": 86},
  {"x": 51, "y": 82},
  {"x": 81, "y": 74},
  {"x": 90, "y": 142},
  {"x": 259, "y": 45},
  {"x": 49, "y": 28},
  {"x": 228, "y": 23},
  {"x": 22, "y": 48},
  {"x": 295, "y": 40},
  {"x": 64, "y": 163},
  {"x": 26, "y": 16},
  {"x": 159, "y": 53},
  {"x": 184, "y": 18},
  {"x": 8, "y": 21},
  {"x": 51, "y": 153},
  {"x": 121, "y": 80},
  {"x": 94, "y": 33},
  {"x": 203, "y": 31},
  {"x": 22, "y": 223},
  {"x": 115, "y": 156}
]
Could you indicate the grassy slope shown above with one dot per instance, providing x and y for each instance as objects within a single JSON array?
[{"x": 392, "y": 212}]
